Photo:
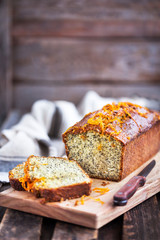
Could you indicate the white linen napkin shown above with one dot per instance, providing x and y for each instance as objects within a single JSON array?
[{"x": 46, "y": 116}]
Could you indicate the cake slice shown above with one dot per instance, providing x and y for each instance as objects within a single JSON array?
[
  {"x": 55, "y": 178},
  {"x": 114, "y": 141},
  {"x": 14, "y": 175}
]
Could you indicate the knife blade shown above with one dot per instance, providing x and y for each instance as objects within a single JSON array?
[{"x": 128, "y": 190}]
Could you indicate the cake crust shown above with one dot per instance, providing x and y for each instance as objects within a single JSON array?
[
  {"x": 16, "y": 184},
  {"x": 140, "y": 149},
  {"x": 63, "y": 193}
]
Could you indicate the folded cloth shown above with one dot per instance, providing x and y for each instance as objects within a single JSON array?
[{"x": 49, "y": 119}]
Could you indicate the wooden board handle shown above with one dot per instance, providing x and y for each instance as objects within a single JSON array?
[{"x": 127, "y": 191}]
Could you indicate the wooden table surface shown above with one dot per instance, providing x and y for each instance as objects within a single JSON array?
[{"x": 141, "y": 222}]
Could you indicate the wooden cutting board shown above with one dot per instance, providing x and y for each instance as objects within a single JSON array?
[{"x": 91, "y": 214}]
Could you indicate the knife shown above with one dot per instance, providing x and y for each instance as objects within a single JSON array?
[{"x": 127, "y": 191}]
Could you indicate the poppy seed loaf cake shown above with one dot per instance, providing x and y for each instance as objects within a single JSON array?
[
  {"x": 112, "y": 142},
  {"x": 14, "y": 175},
  {"x": 55, "y": 178}
]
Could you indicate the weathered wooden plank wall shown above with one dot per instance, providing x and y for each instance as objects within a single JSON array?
[
  {"x": 61, "y": 60},
  {"x": 5, "y": 58},
  {"x": 106, "y": 18},
  {"x": 25, "y": 94},
  {"x": 62, "y": 49}
]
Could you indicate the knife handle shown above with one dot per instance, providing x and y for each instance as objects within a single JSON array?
[{"x": 127, "y": 191}]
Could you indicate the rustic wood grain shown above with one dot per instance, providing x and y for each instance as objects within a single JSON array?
[
  {"x": 143, "y": 221},
  {"x": 86, "y": 28},
  {"x": 75, "y": 93},
  {"x": 20, "y": 226},
  {"x": 86, "y": 18},
  {"x": 17, "y": 225},
  {"x": 60, "y": 60},
  {"x": 112, "y": 230},
  {"x": 92, "y": 214},
  {"x": 5, "y": 58},
  {"x": 69, "y": 231}
]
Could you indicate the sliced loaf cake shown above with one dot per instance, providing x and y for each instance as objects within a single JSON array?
[
  {"x": 112, "y": 142},
  {"x": 55, "y": 178}
]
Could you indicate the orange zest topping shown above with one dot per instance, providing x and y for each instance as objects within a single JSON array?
[
  {"x": 113, "y": 145},
  {"x": 97, "y": 120},
  {"x": 28, "y": 185},
  {"x": 96, "y": 199},
  {"x": 97, "y": 190},
  {"x": 82, "y": 200},
  {"x": 142, "y": 114},
  {"x": 101, "y": 190},
  {"x": 26, "y": 182},
  {"x": 83, "y": 137},
  {"x": 113, "y": 117},
  {"x": 76, "y": 203},
  {"x": 99, "y": 147}
]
